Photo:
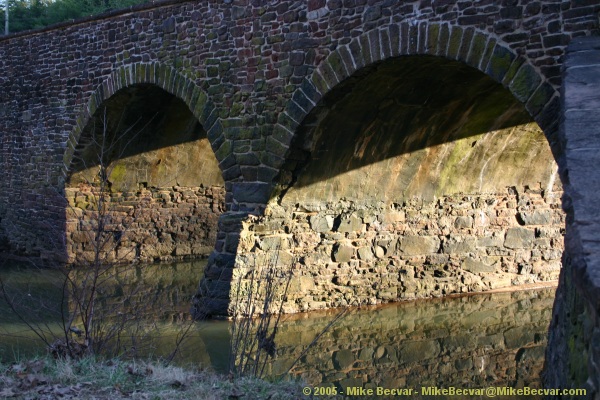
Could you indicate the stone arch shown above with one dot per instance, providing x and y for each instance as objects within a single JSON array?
[
  {"x": 198, "y": 184},
  {"x": 163, "y": 77},
  {"x": 370, "y": 227},
  {"x": 467, "y": 45}
]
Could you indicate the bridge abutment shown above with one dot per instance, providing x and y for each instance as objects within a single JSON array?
[{"x": 573, "y": 354}]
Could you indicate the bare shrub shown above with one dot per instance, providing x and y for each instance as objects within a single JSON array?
[
  {"x": 260, "y": 294},
  {"x": 98, "y": 308}
]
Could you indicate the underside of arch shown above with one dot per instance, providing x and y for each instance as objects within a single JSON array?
[
  {"x": 161, "y": 76},
  {"x": 145, "y": 151}
]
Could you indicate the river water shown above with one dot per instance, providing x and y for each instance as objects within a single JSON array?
[{"x": 473, "y": 341}]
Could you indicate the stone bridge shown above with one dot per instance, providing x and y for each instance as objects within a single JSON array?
[{"x": 379, "y": 150}]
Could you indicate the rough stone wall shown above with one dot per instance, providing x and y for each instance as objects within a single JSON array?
[
  {"x": 250, "y": 71},
  {"x": 573, "y": 356},
  {"x": 155, "y": 224},
  {"x": 347, "y": 253},
  {"x": 441, "y": 344}
]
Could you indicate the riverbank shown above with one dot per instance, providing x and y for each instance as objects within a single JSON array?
[{"x": 89, "y": 378}]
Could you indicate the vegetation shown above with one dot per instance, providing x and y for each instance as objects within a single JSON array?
[
  {"x": 90, "y": 378},
  {"x": 92, "y": 319},
  {"x": 34, "y": 14}
]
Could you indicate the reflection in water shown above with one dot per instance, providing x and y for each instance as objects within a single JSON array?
[{"x": 475, "y": 341}]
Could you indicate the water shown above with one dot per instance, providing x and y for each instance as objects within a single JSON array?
[{"x": 474, "y": 341}]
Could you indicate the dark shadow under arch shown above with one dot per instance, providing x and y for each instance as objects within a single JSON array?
[
  {"x": 154, "y": 138},
  {"x": 148, "y": 74},
  {"x": 411, "y": 106},
  {"x": 477, "y": 54}
]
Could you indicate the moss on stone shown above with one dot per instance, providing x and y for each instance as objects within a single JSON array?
[
  {"x": 454, "y": 42},
  {"x": 524, "y": 83},
  {"x": 118, "y": 176},
  {"x": 500, "y": 63}
]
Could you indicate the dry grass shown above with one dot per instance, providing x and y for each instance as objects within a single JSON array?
[{"x": 89, "y": 378}]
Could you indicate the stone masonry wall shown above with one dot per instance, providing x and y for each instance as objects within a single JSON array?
[
  {"x": 155, "y": 224},
  {"x": 573, "y": 354},
  {"x": 348, "y": 253}
]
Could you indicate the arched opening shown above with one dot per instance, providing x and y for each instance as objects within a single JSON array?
[
  {"x": 417, "y": 177},
  {"x": 429, "y": 122},
  {"x": 146, "y": 151}
]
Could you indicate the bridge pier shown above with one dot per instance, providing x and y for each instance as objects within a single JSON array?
[{"x": 573, "y": 354}]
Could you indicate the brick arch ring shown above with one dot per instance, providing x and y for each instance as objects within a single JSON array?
[
  {"x": 162, "y": 76},
  {"x": 476, "y": 49}
]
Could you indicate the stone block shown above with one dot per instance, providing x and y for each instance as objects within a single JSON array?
[
  {"x": 500, "y": 62},
  {"x": 343, "y": 359},
  {"x": 280, "y": 258},
  {"x": 365, "y": 254},
  {"x": 417, "y": 245},
  {"x": 490, "y": 241},
  {"x": 379, "y": 252},
  {"x": 519, "y": 337},
  {"x": 393, "y": 217},
  {"x": 463, "y": 222},
  {"x": 476, "y": 266},
  {"x": 342, "y": 253},
  {"x": 321, "y": 223},
  {"x": 477, "y": 49},
  {"x": 301, "y": 284},
  {"x": 251, "y": 192},
  {"x": 537, "y": 217},
  {"x": 273, "y": 243},
  {"x": 388, "y": 244},
  {"x": 338, "y": 66},
  {"x": 454, "y": 42},
  {"x": 417, "y": 351},
  {"x": 519, "y": 238},
  {"x": 365, "y": 49},
  {"x": 525, "y": 82},
  {"x": 457, "y": 245},
  {"x": 232, "y": 242},
  {"x": 183, "y": 250},
  {"x": 351, "y": 223}
]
